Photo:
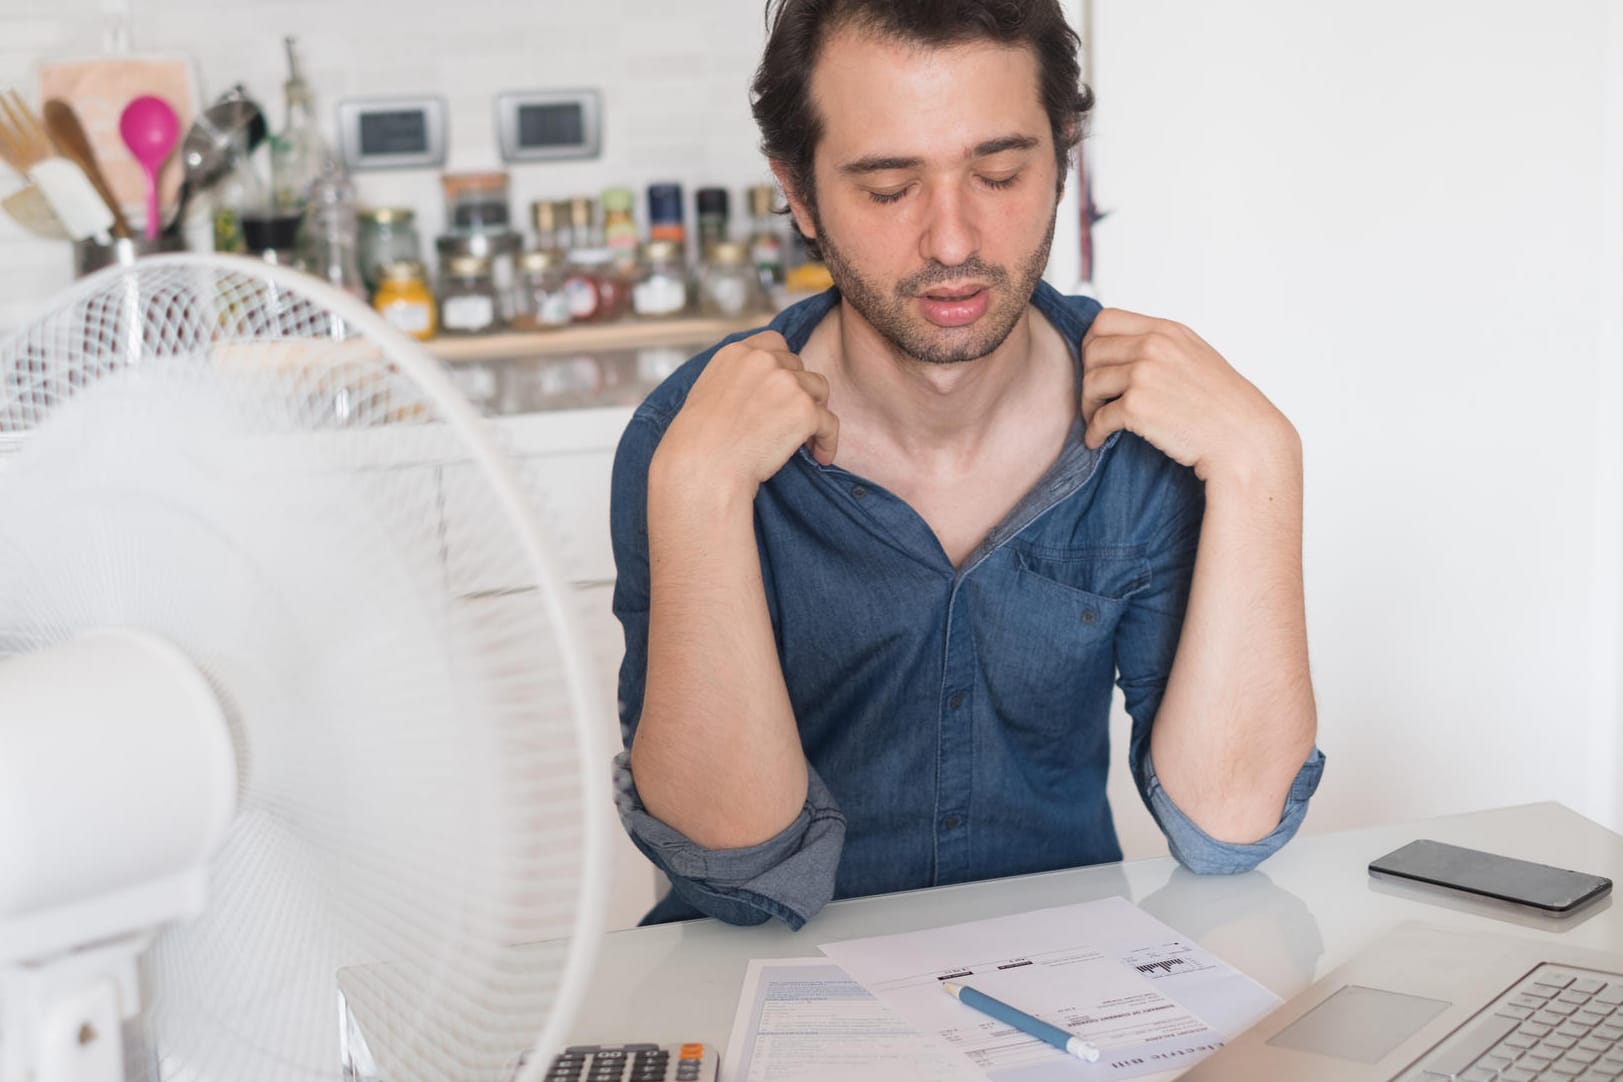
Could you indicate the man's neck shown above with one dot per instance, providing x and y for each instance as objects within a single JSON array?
[{"x": 944, "y": 412}]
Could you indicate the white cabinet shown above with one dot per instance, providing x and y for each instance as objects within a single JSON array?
[{"x": 567, "y": 458}]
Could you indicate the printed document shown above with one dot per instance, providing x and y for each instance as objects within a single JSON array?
[
  {"x": 1106, "y": 971},
  {"x": 806, "y": 1020}
]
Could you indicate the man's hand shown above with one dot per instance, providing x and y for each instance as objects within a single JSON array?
[
  {"x": 748, "y": 412},
  {"x": 1159, "y": 380}
]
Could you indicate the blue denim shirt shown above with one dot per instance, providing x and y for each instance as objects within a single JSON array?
[{"x": 955, "y": 720}]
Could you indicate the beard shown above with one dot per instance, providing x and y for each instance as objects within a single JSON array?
[{"x": 892, "y": 314}]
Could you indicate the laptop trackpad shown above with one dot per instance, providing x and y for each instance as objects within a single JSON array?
[{"x": 1359, "y": 1024}]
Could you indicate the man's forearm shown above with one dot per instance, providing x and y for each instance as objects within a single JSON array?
[
  {"x": 1238, "y": 719},
  {"x": 717, "y": 754}
]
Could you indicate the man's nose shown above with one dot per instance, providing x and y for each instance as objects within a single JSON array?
[{"x": 950, "y": 234}]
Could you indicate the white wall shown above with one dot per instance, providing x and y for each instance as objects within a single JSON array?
[
  {"x": 1402, "y": 221},
  {"x": 674, "y": 76}
]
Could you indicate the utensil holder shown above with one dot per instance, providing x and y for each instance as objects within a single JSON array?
[{"x": 91, "y": 255}]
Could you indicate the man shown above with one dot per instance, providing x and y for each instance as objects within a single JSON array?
[{"x": 880, "y": 563}]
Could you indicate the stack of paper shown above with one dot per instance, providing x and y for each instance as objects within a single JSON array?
[{"x": 1106, "y": 971}]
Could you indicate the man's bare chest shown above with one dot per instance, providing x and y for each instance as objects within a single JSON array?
[{"x": 963, "y": 504}]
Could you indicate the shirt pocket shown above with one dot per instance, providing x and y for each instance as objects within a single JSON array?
[{"x": 1048, "y": 659}]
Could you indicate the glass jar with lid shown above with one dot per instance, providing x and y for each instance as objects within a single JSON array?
[
  {"x": 468, "y": 302},
  {"x": 620, "y": 227},
  {"x": 387, "y": 235},
  {"x": 475, "y": 202},
  {"x": 543, "y": 300},
  {"x": 597, "y": 291},
  {"x": 544, "y": 220},
  {"x": 584, "y": 230},
  {"x": 729, "y": 285},
  {"x": 662, "y": 284},
  {"x": 713, "y": 216},
  {"x": 766, "y": 236},
  {"x": 403, "y": 299}
]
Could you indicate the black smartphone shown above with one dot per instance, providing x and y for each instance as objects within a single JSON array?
[{"x": 1488, "y": 875}]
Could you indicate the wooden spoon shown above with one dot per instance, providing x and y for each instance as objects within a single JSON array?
[{"x": 62, "y": 123}]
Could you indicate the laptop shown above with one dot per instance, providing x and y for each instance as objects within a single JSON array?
[{"x": 1426, "y": 1004}]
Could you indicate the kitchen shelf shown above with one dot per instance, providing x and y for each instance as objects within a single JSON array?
[{"x": 592, "y": 338}]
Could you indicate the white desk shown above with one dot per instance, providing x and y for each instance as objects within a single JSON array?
[{"x": 1301, "y": 914}]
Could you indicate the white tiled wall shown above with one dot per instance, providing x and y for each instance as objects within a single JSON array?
[{"x": 674, "y": 74}]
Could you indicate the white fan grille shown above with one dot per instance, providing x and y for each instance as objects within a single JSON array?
[{"x": 256, "y": 468}]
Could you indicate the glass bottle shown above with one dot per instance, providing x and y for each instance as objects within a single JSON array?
[
  {"x": 403, "y": 299},
  {"x": 584, "y": 231},
  {"x": 544, "y": 219},
  {"x": 239, "y": 194},
  {"x": 713, "y": 217},
  {"x": 330, "y": 245},
  {"x": 620, "y": 226},
  {"x": 298, "y": 152},
  {"x": 766, "y": 237},
  {"x": 566, "y": 237},
  {"x": 665, "y": 213}
]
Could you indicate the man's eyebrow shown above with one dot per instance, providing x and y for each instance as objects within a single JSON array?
[
  {"x": 876, "y": 163},
  {"x": 1001, "y": 144}
]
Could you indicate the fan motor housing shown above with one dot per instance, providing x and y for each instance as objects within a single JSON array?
[{"x": 118, "y": 780}]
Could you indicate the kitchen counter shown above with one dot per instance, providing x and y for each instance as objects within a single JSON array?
[{"x": 578, "y": 368}]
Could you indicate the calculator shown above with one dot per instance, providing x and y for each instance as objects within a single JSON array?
[{"x": 696, "y": 1062}]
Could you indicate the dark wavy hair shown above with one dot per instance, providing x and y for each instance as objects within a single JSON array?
[{"x": 780, "y": 95}]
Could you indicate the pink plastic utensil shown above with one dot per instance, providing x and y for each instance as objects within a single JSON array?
[{"x": 150, "y": 129}]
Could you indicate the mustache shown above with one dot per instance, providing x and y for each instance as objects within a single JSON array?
[{"x": 939, "y": 274}]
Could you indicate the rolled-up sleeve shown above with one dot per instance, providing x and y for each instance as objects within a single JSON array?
[
  {"x": 789, "y": 876},
  {"x": 1202, "y": 853},
  {"x": 1146, "y": 646}
]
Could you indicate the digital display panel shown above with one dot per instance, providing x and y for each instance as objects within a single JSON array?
[
  {"x": 403, "y": 131},
  {"x": 562, "y": 124}
]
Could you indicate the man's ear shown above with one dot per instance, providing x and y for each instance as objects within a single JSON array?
[{"x": 797, "y": 205}]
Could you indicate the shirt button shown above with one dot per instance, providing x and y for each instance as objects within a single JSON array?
[
  {"x": 955, "y": 702},
  {"x": 951, "y": 822},
  {"x": 859, "y": 491},
  {"x": 1090, "y": 616}
]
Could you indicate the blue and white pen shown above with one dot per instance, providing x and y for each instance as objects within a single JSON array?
[{"x": 1020, "y": 1020}]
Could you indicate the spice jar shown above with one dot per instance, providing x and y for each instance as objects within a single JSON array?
[
  {"x": 713, "y": 219},
  {"x": 766, "y": 236},
  {"x": 583, "y": 227},
  {"x": 501, "y": 250},
  {"x": 468, "y": 297},
  {"x": 387, "y": 235},
  {"x": 662, "y": 284},
  {"x": 729, "y": 286},
  {"x": 596, "y": 290},
  {"x": 620, "y": 226},
  {"x": 544, "y": 219},
  {"x": 403, "y": 299},
  {"x": 665, "y": 213},
  {"x": 543, "y": 302},
  {"x": 475, "y": 202}
]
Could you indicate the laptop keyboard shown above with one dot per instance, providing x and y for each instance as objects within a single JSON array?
[{"x": 1558, "y": 1022}]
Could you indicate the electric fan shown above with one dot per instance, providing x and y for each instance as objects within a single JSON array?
[{"x": 301, "y": 773}]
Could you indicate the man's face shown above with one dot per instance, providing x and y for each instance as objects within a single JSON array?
[{"x": 935, "y": 189}]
